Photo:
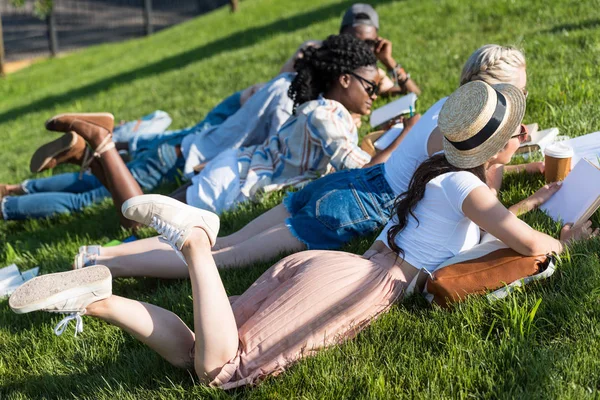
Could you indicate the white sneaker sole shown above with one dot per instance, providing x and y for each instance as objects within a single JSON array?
[{"x": 47, "y": 290}]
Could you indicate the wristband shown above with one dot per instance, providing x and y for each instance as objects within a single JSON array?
[{"x": 395, "y": 75}]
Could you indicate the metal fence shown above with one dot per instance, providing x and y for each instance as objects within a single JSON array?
[{"x": 80, "y": 23}]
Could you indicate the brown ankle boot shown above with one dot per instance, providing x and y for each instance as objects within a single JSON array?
[
  {"x": 69, "y": 148},
  {"x": 64, "y": 122}
]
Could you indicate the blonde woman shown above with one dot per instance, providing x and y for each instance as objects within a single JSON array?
[
  {"x": 335, "y": 208},
  {"x": 314, "y": 299}
]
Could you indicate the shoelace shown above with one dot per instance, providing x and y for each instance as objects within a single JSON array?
[
  {"x": 62, "y": 325},
  {"x": 169, "y": 234}
]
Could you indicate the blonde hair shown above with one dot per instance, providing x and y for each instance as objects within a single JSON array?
[{"x": 493, "y": 64}]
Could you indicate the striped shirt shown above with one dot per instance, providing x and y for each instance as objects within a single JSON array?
[{"x": 319, "y": 137}]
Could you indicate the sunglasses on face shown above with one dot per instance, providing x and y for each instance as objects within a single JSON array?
[
  {"x": 371, "y": 87},
  {"x": 522, "y": 135}
]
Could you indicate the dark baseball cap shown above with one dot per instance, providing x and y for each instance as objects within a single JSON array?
[{"x": 360, "y": 14}]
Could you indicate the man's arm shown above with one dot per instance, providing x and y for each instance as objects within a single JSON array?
[{"x": 383, "y": 51}]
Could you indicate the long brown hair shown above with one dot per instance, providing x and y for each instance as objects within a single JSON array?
[{"x": 405, "y": 203}]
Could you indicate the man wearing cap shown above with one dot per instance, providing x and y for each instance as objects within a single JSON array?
[{"x": 362, "y": 21}]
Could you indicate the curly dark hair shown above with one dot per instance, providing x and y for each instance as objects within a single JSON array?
[
  {"x": 320, "y": 66},
  {"x": 405, "y": 203}
]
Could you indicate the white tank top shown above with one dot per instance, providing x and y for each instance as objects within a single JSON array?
[{"x": 403, "y": 162}]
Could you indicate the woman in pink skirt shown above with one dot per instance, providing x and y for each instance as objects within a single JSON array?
[{"x": 314, "y": 299}]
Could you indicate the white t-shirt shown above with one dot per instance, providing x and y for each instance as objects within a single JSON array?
[
  {"x": 403, "y": 161},
  {"x": 442, "y": 230}
]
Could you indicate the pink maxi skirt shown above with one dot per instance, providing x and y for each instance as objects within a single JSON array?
[{"x": 308, "y": 301}]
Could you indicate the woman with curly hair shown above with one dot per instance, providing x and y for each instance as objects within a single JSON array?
[{"x": 332, "y": 81}]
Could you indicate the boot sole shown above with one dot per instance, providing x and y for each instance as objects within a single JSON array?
[
  {"x": 44, "y": 291},
  {"x": 47, "y": 152},
  {"x": 83, "y": 115}
]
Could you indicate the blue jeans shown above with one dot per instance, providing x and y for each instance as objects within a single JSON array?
[
  {"x": 154, "y": 162},
  {"x": 57, "y": 194},
  {"x": 216, "y": 116},
  {"x": 332, "y": 210}
]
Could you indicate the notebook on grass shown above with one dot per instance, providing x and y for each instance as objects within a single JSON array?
[
  {"x": 579, "y": 196},
  {"x": 403, "y": 105}
]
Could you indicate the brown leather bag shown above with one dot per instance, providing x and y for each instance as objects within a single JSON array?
[{"x": 490, "y": 266}]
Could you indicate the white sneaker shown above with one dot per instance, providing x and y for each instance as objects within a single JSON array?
[
  {"x": 86, "y": 257},
  {"x": 64, "y": 293},
  {"x": 173, "y": 219}
]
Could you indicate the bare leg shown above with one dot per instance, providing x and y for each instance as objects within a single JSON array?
[
  {"x": 261, "y": 247},
  {"x": 121, "y": 183},
  {"x": 274, "y": 217},
  {"x": 14, "y": 190},
  {"x": 160, "y": 329},
  {"x": 152, "y": 258},
  {"x": 216, "y": 340},
  {"x": 117, "y": 178},
  {"x": 214, "y": 323},
  {"x": 145, "y": 257}
]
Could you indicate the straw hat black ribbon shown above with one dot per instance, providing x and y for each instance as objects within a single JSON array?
[{"x": 488, "y": 130}]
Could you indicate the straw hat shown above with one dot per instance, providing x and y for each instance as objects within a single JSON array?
[{"x": 478, "y": 120}]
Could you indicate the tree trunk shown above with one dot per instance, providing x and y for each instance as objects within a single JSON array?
[{"x": 234, "y": 5}]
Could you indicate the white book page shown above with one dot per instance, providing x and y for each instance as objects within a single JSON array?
[
  {"x": 542, "y": 138},
  {"x": 586, "y": 146},
  {"x": 388, "y": 137},
  {"x": 580, "y": 189},
  {"x": 393, "y": 109}
]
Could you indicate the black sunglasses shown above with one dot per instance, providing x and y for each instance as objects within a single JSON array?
[{"x": 372, "y": 88}]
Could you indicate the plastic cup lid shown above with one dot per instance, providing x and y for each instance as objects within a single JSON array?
[{"x": 559, "y": 150}]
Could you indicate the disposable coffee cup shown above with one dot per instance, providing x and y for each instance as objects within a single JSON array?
[{"x": 557, "y": 161}]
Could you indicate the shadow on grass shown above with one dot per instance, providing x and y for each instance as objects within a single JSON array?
[
  {"x": 236, "y": 40},
  {"x": 590, "y": 24}
]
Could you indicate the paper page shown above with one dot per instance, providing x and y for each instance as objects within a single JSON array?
[
  {"x": 393, "y": 109},
  {"x": 580, "y": 189},
  {"x": 388, "y": 137},
  {"x": 542, "y": 138},
  {"x": 586, "y": 146}
]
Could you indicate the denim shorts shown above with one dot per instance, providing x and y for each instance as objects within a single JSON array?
[{"x": 329, "y": 212}]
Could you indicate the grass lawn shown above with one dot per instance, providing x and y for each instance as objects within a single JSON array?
[{"x": 501, "y": 350}]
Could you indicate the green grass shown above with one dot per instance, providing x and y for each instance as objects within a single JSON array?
[{"x": 503, "y": 350}]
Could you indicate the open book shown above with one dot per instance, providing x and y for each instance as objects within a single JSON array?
[
  {"x": 388, "y": 137},
  {"x": 579, "y": 196},
  {"x": 538, "y": 140},
  {"x": 394, "y": 109}
]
